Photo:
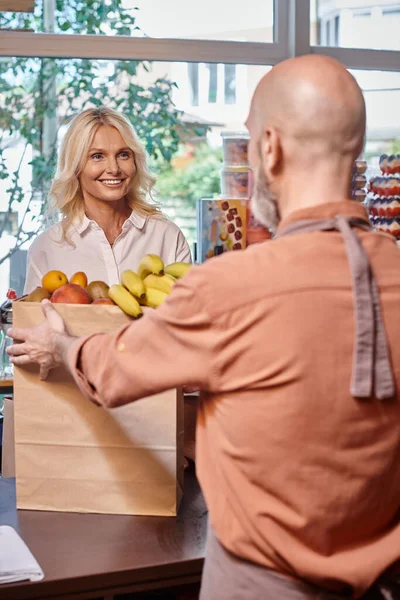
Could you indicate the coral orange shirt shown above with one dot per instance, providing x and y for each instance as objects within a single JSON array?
[{"x": 298, "y": 475}]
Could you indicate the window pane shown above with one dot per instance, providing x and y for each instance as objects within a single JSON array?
[
  {"x": 193, "y": 80},
  {"x": 178, "y": 109},
  {"x": 382, "y": 97},
  {"x": 208, "y": 20},
  {"x": 356, "y": 24},
  {"x": 230, "y": 84},
  {"x": 213, "y": 83}
]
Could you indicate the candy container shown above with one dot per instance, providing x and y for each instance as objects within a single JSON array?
[
  {"x": 384, "y": 200},
  {"x": 360, "y": 166},
  {"x": 235, "y": 147},
  {"x": 359, "y": 182},
  {"x": 235, "y": 182},
  {"x": 389, "y": 165}
]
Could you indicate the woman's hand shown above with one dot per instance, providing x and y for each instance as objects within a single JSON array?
[{"x": 45, "y": 345}]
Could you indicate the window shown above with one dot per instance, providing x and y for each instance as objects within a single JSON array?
[
  {"x": 230, "y": 84},
  {"x": 193, "y": 72},
  {"x": 374, "y": 25},
  {"x": 382, "y": 98},
  {"x": 337, "y": 30},
  {"x": 213, "y": 83},
  {"x": 328, "y": 33},
  {"x": 209, "y": 20}
]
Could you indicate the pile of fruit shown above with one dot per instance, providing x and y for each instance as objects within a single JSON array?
[{"x": 150, "y": 286}]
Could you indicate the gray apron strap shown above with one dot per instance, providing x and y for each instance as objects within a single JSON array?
[{"x": 372, "y": 371}]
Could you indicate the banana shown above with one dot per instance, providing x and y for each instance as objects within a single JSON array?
[
  {"x": 133, "y": 283},
  {"x": 150, "y": 263},
  {"x": 154, "y": 297},
  {"x": 164, "y": 283},
  {"x": 177, "y": 269},
  {"x": 125, "y": 300}
]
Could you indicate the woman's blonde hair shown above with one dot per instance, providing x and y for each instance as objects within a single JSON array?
[{"x": 65, "y": 193}]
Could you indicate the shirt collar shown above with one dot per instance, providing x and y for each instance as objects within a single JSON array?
[
  {"x": 137, "y": 219},
  {"x": 348, "y": 208},
  {"x": 82, "y": 222}
]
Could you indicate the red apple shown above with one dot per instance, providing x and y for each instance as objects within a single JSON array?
[{"x": 70, "y": 293}]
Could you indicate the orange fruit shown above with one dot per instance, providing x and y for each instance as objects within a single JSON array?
[
  {"x": 53, "y": 280},
  {"x": 79, "y": 279}
]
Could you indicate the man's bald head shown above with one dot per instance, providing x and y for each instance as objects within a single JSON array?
[
  {"x": 315, "y": 101},
  {"x": 307, "y": 112}
]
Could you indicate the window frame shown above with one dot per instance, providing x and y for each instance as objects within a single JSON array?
[{"x": 291, "y": 38}]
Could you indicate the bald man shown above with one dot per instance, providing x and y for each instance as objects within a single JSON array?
[{"x": 295, "y": 344}]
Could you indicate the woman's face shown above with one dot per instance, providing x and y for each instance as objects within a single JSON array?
[{"x": 110, "y": 167}]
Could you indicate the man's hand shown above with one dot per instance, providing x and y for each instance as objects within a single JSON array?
[{"x": 45, "y": 345}]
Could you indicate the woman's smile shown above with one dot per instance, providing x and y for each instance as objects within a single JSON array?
[{"x": 111, "y": 182}]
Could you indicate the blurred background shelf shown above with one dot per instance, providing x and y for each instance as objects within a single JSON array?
[{"x": 6, "y": 386}]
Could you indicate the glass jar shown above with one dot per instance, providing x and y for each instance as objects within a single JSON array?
[
  {"x": 234, "y": 148},
  {"x": 7, "y": 368}
]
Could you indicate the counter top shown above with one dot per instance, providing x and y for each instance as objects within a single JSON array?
[{"x": 90, "y": 556}]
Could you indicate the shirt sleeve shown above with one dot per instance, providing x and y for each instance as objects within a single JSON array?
[
  {"x": 34, "y": 274},
  {"x": 169, "y": 347},
  {"x": 183, "y": 253}
]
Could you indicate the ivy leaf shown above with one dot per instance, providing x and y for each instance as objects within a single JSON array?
[{"x": 65, "y": 26}]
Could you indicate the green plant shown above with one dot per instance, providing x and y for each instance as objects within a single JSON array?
[
  {"x": 199, "y": 179},
  {"x": 38, "y": 96},
  {"x": 395, "y": 149}
]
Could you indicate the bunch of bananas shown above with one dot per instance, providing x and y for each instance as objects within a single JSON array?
[{"x": 150, "y": 286}]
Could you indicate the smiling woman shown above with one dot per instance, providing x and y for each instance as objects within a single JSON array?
[
  {"x": 102, "y": 189},
  {"x": 109, "y": 165}
]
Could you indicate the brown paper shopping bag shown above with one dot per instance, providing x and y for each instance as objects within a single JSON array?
[
  {"x": 7, "y": 453},
  {"x": 74, "y": 456}
]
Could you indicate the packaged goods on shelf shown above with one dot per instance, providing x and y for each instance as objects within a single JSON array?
[
  {"x": 359, "y": 195},
  {"x": 359, "y": 167},
  {"x": 234, "y": 147},
  {"x": 227, "y": 223},
  {"x": 235, "y": 170},
  {"x": 359, "y": 181},
  {"x": 389, "y": 164},
  {"x": 221, "y": 226},
  {"x": 235, "y": 182},
  {"x": 385, "y": 207},
  {"x": 385, "y": 185},
  {"x": 391, "y": 226},
  {"x": 384, "y": 196}
]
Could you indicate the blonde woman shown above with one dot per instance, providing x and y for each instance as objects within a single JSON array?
[{"x": 102, "y": 189}]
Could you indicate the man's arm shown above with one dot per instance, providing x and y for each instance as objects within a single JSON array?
[{"x": 169, "y": 347}]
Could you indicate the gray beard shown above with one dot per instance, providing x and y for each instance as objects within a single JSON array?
[{"x": 264, "y": 204}]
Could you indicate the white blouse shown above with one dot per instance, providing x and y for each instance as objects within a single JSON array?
[{"x": 91, "y": 252}]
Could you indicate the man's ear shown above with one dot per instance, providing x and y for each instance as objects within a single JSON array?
[{"x": 271, "y": 150}]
